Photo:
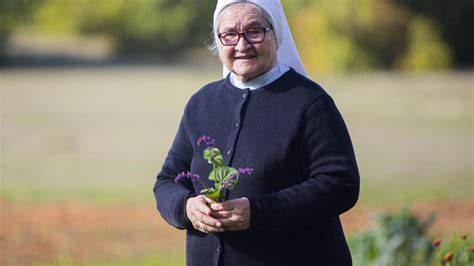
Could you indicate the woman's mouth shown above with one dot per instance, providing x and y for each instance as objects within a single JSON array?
[{"x": 244, "y": 57}]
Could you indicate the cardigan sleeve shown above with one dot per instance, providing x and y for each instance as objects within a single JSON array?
[
  {"x": 170, "y": 197},
  {"x": 327, "y": 160}
]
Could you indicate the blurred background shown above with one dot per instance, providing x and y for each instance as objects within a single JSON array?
[{"x": 92, "y": 92}]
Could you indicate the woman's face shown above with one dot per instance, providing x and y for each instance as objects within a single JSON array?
[{"x": 246, "y": 60}]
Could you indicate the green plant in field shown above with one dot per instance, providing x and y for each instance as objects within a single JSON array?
[
  {"x": 401, "y": 239},
  {"x": 458, "y": 251}
]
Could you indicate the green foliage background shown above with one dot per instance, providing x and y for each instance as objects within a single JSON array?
[
  {"x": 331, "y": 35},
  {"x": 367, "y": 34},
  {"x": 401, "y": 238}
]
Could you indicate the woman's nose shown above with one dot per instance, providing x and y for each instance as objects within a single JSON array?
[{"x": 242, "y": 44}]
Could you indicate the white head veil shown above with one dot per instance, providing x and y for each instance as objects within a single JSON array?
[{"x": 286, "y": 53}]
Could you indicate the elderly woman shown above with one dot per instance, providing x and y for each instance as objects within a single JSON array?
[{"x": 265, "y": 114}]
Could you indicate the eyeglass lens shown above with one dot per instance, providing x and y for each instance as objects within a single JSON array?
[{"x": 251, "y": 35}]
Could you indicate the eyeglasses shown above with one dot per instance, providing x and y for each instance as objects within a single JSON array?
[{"x": 231, "y": 38}]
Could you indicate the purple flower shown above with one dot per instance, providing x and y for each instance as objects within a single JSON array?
[
  {"x": 227, "y": 184},
  {"x": 195, "y": 177},
  {"x": 207, "y": 140},
  {"x": 186, "y": 175},
  {"x": 245, "y": 171},
  {"x": 180, "y": 177}
]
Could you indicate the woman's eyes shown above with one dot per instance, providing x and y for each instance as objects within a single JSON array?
[
  {"x": 253, "y": 32},
  {"x": 231, "y": 34},
  {"x": 247, "y": 32}
]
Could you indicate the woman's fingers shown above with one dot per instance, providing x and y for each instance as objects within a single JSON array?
[
  {"x": 222, "y": 214},
  {"x": 205, "y": 228},
  {"x": 197, "y": 205},
  {"x": 207, "y": 220},
  {"x": 199, "y": 214},
  {"x": 210, "y": 217},
  {"x": 208, "y": 200},
  {"x": 206, "y": 225},
  {"x": 234, "y": 223},
  {"x": 224, "y": 206},
  {"x": 204, "y": 209},
  {"x": 234, "y": 214}
]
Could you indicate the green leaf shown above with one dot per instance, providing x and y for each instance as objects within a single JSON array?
[
  {"x": 219, "y": 160},
  {"x": 213, "y": 194},
  {"x": 223, "y": 173},
  {"x": 233, "y": 184},
  {"x": 208, "y": 190},
  {"x": 216, "y": 156},
  {"x": 206, "y": 154},
  {"x": 212, "y": 176}
]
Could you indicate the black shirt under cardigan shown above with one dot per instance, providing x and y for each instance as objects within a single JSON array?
[{"x": 306, "y": 175}]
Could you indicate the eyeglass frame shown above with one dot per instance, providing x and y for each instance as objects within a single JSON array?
[{"x": 242, "y": 34}]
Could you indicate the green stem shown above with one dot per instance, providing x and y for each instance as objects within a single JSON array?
[
  {"x": 202, "y": 183},
  {"x": 215, "y": 173}
]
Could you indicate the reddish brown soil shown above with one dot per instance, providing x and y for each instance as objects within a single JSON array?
[
  {"x": 455, "y": 217},
  {"x": 80, "y": 232},
  {"x": 46, "y": 232}
]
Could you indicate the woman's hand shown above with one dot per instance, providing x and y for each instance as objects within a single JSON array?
[
  {"x": 233, "y": 214},
  {"x": 200, "y": 215}
]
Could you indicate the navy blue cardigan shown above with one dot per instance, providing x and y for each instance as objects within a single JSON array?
[{"x": 306, "y": 175}]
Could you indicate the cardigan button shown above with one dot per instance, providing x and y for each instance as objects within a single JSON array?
[
  {"x": 237, "y": 124},
  {"x": 218, "y": 249},
  {"x": 229, "y": 152},
  {"x": 244, "y": 95}
]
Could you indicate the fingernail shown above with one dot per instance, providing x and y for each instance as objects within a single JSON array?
[
  {"x": 215, "y": 206},
  {"x": 218, "y": 224}
]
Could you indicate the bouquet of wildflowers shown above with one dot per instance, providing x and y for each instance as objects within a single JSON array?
[{"x": 224, "y": 177}]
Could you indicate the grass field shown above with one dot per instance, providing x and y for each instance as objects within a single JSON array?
[{"x": 81, "y": 148}]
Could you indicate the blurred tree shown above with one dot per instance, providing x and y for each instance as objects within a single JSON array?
[
  {"x": 426, "y": 50},
  {"x": 150, "y": 26},
  {"x": 364, "y": 34},
  {"x": 60, "y": 17},
  {"x": 455, "y": 20},
  {"x": 331, "y": 35},
  {"x": 320, "y": 33},
  {"x": 12, "y": 14},
  {"x": 136, "y": 27}
]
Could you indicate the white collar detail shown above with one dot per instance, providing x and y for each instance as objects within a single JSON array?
[{"x": 273, "y": 74}]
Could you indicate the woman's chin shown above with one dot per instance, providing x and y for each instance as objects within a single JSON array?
[{"x": 246, "y": 73}]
